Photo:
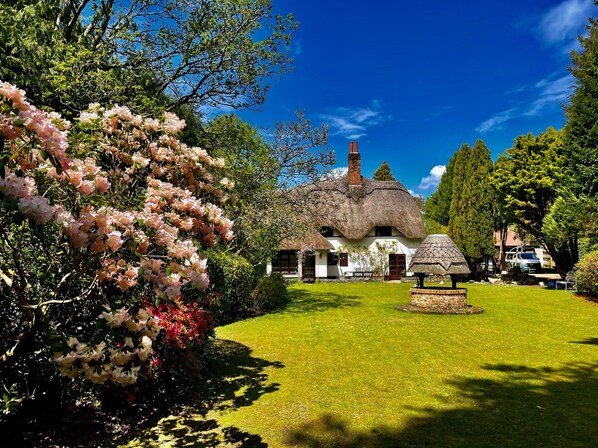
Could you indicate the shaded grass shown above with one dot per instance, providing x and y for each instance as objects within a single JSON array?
[{"x": 340, "y": 367}]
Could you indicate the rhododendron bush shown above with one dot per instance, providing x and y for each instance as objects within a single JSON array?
[{"x": 96, "y": 217}]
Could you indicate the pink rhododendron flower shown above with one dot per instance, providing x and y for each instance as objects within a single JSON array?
[
  {"x": 36, "y": 208},
  {"x": 114, "y": 241}
]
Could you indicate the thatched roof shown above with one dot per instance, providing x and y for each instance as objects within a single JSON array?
[
  {"x": 313, "y": 240},
  {"x": 356, "y": 210},
  {"x": 438, "y": 255}
]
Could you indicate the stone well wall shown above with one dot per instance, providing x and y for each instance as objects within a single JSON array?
[{"x": 439, "y": 298}]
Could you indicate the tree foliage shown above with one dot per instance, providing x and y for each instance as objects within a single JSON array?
[
  {"x": 168, "y": 53},
  {"x": 266, "y": 174},
  {"x": 471, "y": 224},
  {"x": 383, "y": 172},
  {"x": 529, "y": 178},
  {"x": 438, "y": 205},
  {"x": 581, "y": 130}
]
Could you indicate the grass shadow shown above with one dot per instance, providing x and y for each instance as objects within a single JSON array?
[
  {"x": 307, "y": 302},
  {"x": 195, "y": 431},
  {"x": 234, "y": 378},
  {"x": 588, "y": 341},
  {"x": 545, "y": 407}
]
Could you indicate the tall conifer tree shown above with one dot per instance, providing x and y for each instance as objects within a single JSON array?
[
  {"x": 581, "y": 138},
  {"x": 438, "y": 205},
  {"x": 478, "y": 199},
  {"x": 383, "y": 172},
  {"x": 457, "y": 212}
]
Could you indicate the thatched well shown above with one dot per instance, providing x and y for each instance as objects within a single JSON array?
[{"x": 438, "y": 255}]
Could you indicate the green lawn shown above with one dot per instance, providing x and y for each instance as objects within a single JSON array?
[{"x": 340, "y": 367}]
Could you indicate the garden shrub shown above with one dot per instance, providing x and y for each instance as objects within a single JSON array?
[
  {"x": 515, "y": 274},
  {"x": 271, "y": 292},
  {"x": 587, "y": 274},
  {"x": 233, "y": 277},
  {"x": 99, "y": 219}
]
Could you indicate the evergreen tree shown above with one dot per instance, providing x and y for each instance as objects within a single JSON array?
[
  {"x": 581, "y": 138},
  {"x": 383, "y": 172},
  {"x": 478, "y": 199},
  {"x": 438, "y": 205},
  {"x": 458, "y": 208},
  {"x": 528, "y": 178},
  {"x": 580, "y": 195}
]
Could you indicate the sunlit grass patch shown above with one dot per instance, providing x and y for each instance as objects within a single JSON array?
[{"x": 341, "y": 367}]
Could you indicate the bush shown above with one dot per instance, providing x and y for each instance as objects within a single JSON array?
[
  {"x": 587, "y": 274},
  {"x": 232, "y": 276},
  {"x": 270, "y": 293},
  {"x": 521, "y": 278}
]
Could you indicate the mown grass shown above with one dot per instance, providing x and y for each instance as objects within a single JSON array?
[{"x": 341, "y": 367}]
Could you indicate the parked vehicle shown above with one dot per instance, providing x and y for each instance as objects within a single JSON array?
[
  {"x": 489, "y": 266},
  {"x": 526, "y": 261}
]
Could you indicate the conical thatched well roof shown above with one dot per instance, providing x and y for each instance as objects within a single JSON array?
[{"x": 438, "y": 255}]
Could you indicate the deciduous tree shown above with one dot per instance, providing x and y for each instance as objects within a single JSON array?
[
  {"x": 266, "y": 174},
  {"x": 208, "y": 53}
]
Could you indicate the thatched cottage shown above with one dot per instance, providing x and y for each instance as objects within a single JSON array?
[{"x": 367, "y": 228}]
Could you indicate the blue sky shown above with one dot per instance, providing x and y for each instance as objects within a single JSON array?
[{"x": 412, "y": 81}]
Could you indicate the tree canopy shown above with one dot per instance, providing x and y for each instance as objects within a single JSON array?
[
  {"x": 528, "y": 178},
  {"x": 383, "y": 172},
  {"x": 265, "y": 173},
  {"x": 207, "y": 53},
  {"x": 438, "y": 204},
  {"x": 581, "y": 137},
  {"x": 471, "y": 209}
]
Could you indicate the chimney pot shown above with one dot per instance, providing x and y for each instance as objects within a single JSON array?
[{"x": 354, "y": 175}]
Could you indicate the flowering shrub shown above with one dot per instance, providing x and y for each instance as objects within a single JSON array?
[
  {"x": 184, "y": 324},
  {"x": 119, "y": 363},
  {"x": 586, "y": 274},
  {"x": 105, "y": 211}
]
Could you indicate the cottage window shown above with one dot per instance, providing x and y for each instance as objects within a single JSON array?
[
  {"x": 383, "y": 230},
  {"x": 285, "y": 262},
  {"x": 327, "y": 231},
  {"x": 343, "y": 259},
  {"x": 332, "y": 259}
]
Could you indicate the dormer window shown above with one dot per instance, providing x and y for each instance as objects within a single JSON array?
[
  {"x": 326, "y": 231},
  {"x": 383, "y": 231}
]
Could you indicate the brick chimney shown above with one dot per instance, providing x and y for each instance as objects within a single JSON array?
[{"x": 354, "y": 164}]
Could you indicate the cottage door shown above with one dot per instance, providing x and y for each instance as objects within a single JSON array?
[
  {"x": 396, "y": 266},
  {"x": 309, "y": 268}
]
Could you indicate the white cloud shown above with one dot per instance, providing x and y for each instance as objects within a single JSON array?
[
  {"x": 543, "y": 96},
  {"x": 561, "y": 25},
  {"x": 495, "y": 122},
  {"x": 353, "y": 123},
  {"x": 337, "y": 173},
  {"x": 433, "y": 179}
]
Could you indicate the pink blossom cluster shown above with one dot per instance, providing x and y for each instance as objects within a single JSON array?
[
  {"x": 50, "y": 129},
  {"x": 173, "y": 215},
  {"x": 116, "y": 363}
]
